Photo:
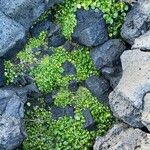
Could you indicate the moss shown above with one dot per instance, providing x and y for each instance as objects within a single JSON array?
[
  {"x": 67, "y": 133},
  {"x": 114, "y": 14}
]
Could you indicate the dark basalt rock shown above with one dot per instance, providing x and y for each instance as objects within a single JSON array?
[
  {"x": 69, "y": 68},
  {"x": 48, "y": 26},
  {"x": 70, "y": 46},
  {"x": 13, "y": 36},
  {"x": 12, "y": 132},
  {"x": 73, "y": 86},
  {"x": 99, "y": 87},
  {"x": 48, "y": 100},
  {"x": 112, "y": 74},
  {"x": 108, "y": 53},
  {"x": 58, "y": 112},
  {"x": 23, "y": 11},
  {"x": 39, "y": 27},
  {"x": 89, "y": 121},
  {"x": 91, "y": 28}
]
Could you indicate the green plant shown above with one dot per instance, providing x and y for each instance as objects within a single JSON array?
[
  {"x": 48, "y": 72},
  {"x": 67, "y": 133},
  {"x": 114, "y": 14},
  {"x": 12, "y": 71}
]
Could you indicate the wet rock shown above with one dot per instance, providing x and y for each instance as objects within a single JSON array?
[
  {"x": 69, "y": 68},
  {"x": 91, "y": 28},
  {"x": 89, "y": 121},
  {"x": 99, "y": 87},
  {"x": 126, "y": 101},
  {"x": 108, "y": 53},
  {"x": 13, "y": 36},
  {"x": 123, "y": 137},
  {"x": 137, "y": 21},
  {"x": 142, "y": 42},
  {"x": 73, "y": 86}
]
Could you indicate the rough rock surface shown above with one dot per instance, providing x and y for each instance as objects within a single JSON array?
[
  {"x": 122, "y": 137},
  {"x": 146, "y": 111},
  {"x": 112, "y": 74},
  {"x": 12, "y": 100},
  {"x": 13, "y": 36},
  {"x": 99, "y": 87},
  {"x": 91, "y": 28},
  {"x": 23, "y": 11},
  {"x": 12, "y": 132},
  {"x": 142, "y": 42},
  {"x": 126, "y": 101},
  {"x": 108, "y": 53},
  {"x": 137, "y": 21}
]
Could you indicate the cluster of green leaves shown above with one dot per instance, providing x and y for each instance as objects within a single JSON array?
[
  {"x": 114, "y": 13},
  {"x": 48, "y": 72},
  {"x": 67, "y": 133},
  {"x": 25, "y": 57}
]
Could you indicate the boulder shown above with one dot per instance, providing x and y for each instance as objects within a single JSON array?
[
  {"x": 99, "y": 87},
  {"x": 13, "y": 36},
  {"x": 122, "y": 137},
  {"x": 137, "y": 21},
  {"x": 91, "y": 28},
  {"x": 12, "y": 132},
  {"x": 108, "y": 53},
  {"x": 126, "y": 101},
  {"x": 142, "y": 42},
  {"x": 23, "y": 11}
]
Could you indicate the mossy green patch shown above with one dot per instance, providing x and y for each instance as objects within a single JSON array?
[{"x": 67, "y": 133}]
